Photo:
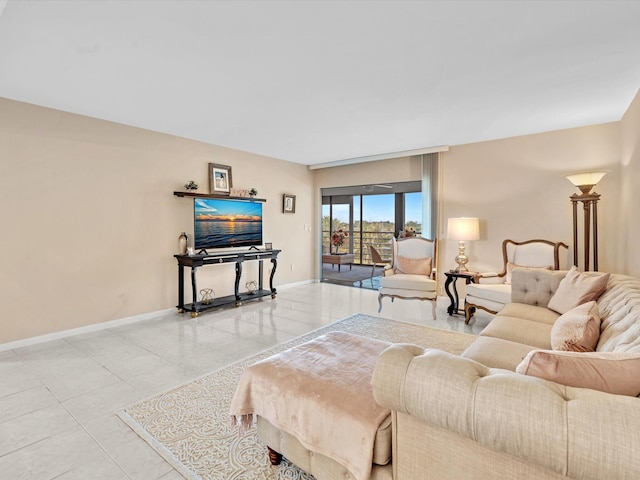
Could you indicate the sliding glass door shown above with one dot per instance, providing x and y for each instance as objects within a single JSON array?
[
  {"x": 337, "y": 214},
  {"x": 378, "y": 225},
  {"x": 372, "y": 215}
]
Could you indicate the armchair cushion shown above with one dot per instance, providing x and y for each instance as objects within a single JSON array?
[
  {"x": 414, "y": 266},
  {"x": 500, "y": 292},
  {"x": 577, "y": 330},
  {"x": 577, "y": 288},
  {"x": 612, "y": 372},
  {"x": 404, "y": 281}
]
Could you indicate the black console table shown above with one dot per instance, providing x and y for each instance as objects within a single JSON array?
[{"x": 195, "y": 261}]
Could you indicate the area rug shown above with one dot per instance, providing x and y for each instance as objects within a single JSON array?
[{"x": 190, "y": 426}]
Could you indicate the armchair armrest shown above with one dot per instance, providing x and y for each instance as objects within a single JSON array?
[
  {"x": 488, "y": 274},
  {"x": 490, "y": 277},
  {"x": 572, "y": 431}
]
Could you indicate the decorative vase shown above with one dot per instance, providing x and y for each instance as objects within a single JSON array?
[
  {"x": 207, "y": 295},
  {"x": 251, "y": 286},
  {"x": 182, "y": 243}
]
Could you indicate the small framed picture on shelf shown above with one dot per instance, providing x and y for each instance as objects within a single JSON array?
[
  {"x": 288, "y": 203},
  {"x": 268, "y": 246},
  {"x": 220, "y": 181}
]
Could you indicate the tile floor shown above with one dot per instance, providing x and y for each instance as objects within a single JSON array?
[{"x": 57, "y": 399}]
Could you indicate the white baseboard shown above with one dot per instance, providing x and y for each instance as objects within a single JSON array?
[{"x": 27, "y": 342}]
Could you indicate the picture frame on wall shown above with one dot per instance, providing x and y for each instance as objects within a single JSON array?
[
  {"x": 288, "y": 203},
  {"x": 220, "y": 180}
]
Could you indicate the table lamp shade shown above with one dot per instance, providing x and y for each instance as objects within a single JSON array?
[{"x": 463, "y": 229}]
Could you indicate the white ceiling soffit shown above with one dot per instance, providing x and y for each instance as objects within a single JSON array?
[{"x": 323, "y": 81}]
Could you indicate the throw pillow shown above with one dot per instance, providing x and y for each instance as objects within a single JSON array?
[
  {"x": 414, "y": 266},
  {"x": 612, "y": 372},
  {"x": 577, "y": 288},
  {"x": 577, "y": 330},
  {"x": 511, "y": 266}
]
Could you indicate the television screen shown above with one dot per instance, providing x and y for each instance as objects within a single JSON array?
[{"x": 222, "y": 222}]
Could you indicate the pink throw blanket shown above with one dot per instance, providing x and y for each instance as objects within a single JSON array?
[{"x": 319, "y": 392}]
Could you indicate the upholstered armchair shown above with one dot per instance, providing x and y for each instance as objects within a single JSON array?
[
  {"x": 492, "y": 291},
  {"x": 412, "y": 272}
]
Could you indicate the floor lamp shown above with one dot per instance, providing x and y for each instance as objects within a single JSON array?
[{"x": 585, "y": 182}]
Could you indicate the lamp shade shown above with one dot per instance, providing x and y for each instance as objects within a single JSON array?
[
  {"x": 463, "y": 228},
  {"x": 586, "y": 178}
]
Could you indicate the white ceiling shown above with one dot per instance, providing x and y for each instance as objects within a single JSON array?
[{"x": 321, "y": 81}]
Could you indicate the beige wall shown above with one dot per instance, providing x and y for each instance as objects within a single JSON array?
[
  {"x": 628, "y": 214},
  {"x": 90, "y": 222},
  {"x": 517, "y": 188}
]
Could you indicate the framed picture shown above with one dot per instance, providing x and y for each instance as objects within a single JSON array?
[
  {"x": 220, "y": 179},
  {"x": 288, "y": 203},
  {"x": 268, "y": 246}
]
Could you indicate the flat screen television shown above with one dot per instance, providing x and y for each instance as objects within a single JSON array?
[{"x": 226, "y": 222}]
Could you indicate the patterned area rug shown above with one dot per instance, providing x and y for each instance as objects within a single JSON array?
[{"x": 190, "y": 425}]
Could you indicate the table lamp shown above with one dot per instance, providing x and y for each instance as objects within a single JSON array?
[{"x": 462, "y": 229}]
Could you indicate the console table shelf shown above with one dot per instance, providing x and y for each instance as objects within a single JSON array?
[
  {"x": 238, "y": 258},
  {"x": 224, "y": 301}
]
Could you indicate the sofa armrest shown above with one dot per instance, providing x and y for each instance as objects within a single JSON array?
[
  {"x": 571, "y": 431},
  {"x": 534, "y": 286}
]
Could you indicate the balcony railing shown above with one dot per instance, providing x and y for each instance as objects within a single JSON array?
[{"x": 381, "y": 241}]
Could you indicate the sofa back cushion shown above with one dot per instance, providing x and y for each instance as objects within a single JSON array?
[
  {"x": 619, "y": 309},
  {"x": 535, "y": 286},
  {"x": 512, "y": 266}
]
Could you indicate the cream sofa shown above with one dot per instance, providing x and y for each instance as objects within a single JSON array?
[{"x": 472, "y": 416}]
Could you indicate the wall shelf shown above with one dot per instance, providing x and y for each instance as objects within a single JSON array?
[{"x": 213, "y": 195}]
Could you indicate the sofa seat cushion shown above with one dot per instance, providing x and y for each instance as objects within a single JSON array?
[
  {"x": 497, "y": 352},
  {"x": 519, "y": 330},
  {"x": 405, "y": 281},
  {"x": 499, "y": 293},
  {"x": 530, "y": 312}
]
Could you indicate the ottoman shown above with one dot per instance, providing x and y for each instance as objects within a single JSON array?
[{"x": 313, "y": 404}]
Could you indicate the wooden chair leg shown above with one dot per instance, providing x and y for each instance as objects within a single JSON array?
[
  {"x": 274, "y": 457},
  {"x": 469, "y": 310}
]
